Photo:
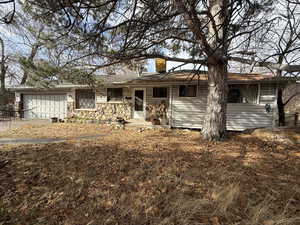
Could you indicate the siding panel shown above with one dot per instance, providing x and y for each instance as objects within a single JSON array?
[
  {"x": 190, "y": 112},
  {"x": 101, "y": 96},
  {"x": 267, "y": 94}
]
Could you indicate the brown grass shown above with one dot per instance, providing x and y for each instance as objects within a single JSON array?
[
  {"x": 55, "y": 130},
  {"x": 152, "y": 177},
  {"x": 281, "y": 135}
]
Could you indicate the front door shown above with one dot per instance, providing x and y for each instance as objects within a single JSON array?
[{"x": 139, "y": 104}]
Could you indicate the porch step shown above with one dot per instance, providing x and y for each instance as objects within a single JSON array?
[
  {"x": 137, "y": 123},
  {"x": 140, "y": 123}
]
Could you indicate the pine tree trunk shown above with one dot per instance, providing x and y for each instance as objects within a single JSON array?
[
  {"x": 280, "y": 105},
  {"x": 2, "y": 89},
  {"x": 25, "y": 76},
  {"x": 2, "y": 80},
  {"x": 214, "y": 125},
  {"x": 2, "y": 68},
  {"x": 30, "y": 59}
]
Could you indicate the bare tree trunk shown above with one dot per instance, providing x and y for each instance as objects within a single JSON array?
[
  {"x": 214, "y": 125},
  {"x": 2, "y": 68},
  {"x": 280, "y": 106},
  {"x": 2, "y": 78},
  {"x": 34, "y": 50},
  {"x": 30, "y": 59},
  {"x": 24, "y": 78}
]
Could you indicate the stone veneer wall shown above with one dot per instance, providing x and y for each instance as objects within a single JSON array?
[
  {"x": 103, "y": 111},
  {"x": 157, "y": 111},
  {"x": 70, "y": 109}
]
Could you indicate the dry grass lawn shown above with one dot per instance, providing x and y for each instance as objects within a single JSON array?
[
  {"x": 151, "y": 177},
  {"x": 55, "y": 130}
]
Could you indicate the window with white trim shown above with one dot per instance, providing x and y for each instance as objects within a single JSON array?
[
  {"x": 242, "y": 93},
  {"x": 234, "y": 95},
  {"x": 160, "y": 92},
  {"x": 114, "y": 94},
  {"x": 187, "y": 90},
  {"x": 85, "y": 99}
]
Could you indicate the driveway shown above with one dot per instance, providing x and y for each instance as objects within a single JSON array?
[{"x": 7, "y": 125}]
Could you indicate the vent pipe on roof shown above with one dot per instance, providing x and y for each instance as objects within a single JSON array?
[{"x": 160, "y": 65}]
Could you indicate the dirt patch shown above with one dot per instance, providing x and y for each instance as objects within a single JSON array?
[
  {"x": 55, "y": 130},
  {"x": 151, "y": 177}
]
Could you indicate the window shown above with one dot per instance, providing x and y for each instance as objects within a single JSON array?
[
  {"x": 114, "y": 94},
  {"x": 234, "y": 95},
  {"x": 160, "y": 92},
  {"x": 85, "y": 99},
  {"x": 187, "y": 90}
]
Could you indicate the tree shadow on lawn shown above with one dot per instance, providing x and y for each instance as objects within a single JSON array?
[{"x": 238, "y": 181}]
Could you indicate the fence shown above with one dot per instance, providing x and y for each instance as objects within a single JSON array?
[
  {"x": 7, "y": 112},
  {"x": 7, "y": 115},
  {"x": 6, "y": 99}
]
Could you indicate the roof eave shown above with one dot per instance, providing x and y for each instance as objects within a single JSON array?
[{"x": 58, "y": 87}]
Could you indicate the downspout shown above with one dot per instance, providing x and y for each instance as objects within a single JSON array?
[
  {"x": 275, "y": 108},
  {"x": 258, "y": 94},
  {"x": 170, "y": 106},
  {"x": 2, "y": 69}
]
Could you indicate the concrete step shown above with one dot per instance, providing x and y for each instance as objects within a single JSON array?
[{"x": 137, "y": 123}]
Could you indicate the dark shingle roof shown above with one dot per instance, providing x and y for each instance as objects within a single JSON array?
[
  {"x": 172, "y": 77},
  {"x": 117, "y": 78},
  {"x": 190, "y": 75}
]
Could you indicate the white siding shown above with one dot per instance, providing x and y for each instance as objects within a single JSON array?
[
  {"x": 267, "y": 94},
  {"x": 127, "y": 92},
  {"x": 189, "y": 112},
  {"x": 101, "y": 95},
  {"x": 245, "y": 116}
]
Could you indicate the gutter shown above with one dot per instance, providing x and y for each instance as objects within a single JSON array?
[
  {"x": 58, "y": 87},
  {"x": 141, "y": 82}
]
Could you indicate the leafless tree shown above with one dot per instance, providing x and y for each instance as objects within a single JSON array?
[
  {"x": 211, "y": 31},
  {"x": 287, "y": 50},
  {"x": 35, "y": 44},
  {"x": 26, "y": 39},
  {"x": 283, "y": 47},
  {"x": 8, "y": 16},
  {"x": 3, "y": 67}
]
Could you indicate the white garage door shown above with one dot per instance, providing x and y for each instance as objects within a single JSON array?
[{"x": 45, "y": 106}]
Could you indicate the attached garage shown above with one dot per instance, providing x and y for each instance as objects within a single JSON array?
[{"x": 44, "y": 106}]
